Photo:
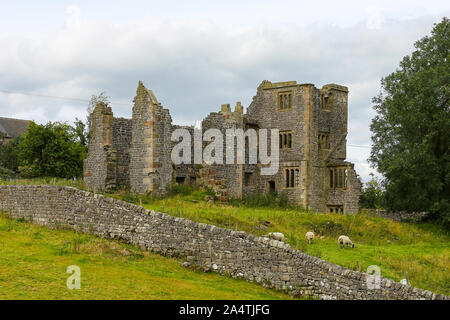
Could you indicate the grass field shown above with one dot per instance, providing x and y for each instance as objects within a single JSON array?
[
  {"x": 417, "y": 251},
  {"x": 34, "y": 259}
]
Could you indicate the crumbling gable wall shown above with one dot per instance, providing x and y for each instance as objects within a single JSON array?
[
  {"x": 330, "y": 114},
  {"x": 100, "y": 164},
  {"x": 150, "y": 162}
]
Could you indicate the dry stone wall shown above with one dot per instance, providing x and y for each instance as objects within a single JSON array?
[
  {"x": 399, "y": 216},
  {"x": 269, "y": 262}
]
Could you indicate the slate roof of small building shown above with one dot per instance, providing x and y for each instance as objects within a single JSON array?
[{"x": 13, "y": 127}]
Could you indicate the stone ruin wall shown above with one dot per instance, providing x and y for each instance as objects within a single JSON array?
[
  {"x": 272, "y": 263},
  {"x": 227, "y": 179},
  {"x": 100, "y": 164},
  {"x": 131, "y": 153},
  {"x": 399, "y": 216},
  {"x": 188, "y": 173},
  {"x": 143, "y": 143},
  {"x": 163, "y": 162},
  {"x": 331, "y": 119},
  {"x": 262, "y": 111},
  {"x": 306, "y": 119},
  {"x": 122, "y": 142},
  {"x": 136, "y": 153}
]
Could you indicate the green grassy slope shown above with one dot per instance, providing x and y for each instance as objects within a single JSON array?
[
  {"x": 33, "y": 262},
  {"x": 420, "y": 252}
]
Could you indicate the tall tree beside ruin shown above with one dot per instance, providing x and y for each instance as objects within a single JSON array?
[
  {"x": 9, "y": 153},
  {"x": 410, "y": 132},
  {"x": 51, "y": 150},
  {"x": 93, "y": 101}
]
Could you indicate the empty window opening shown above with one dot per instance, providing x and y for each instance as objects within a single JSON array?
[
  {"x": 324, "y": 141},
  {"x": 180, "y": 180},
  {"x": 247, "y": 178},
  {"x": 271, "y": 186},
  {"x": 327, "y": 101}
]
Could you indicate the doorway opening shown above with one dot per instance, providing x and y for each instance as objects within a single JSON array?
[{"x": 271, "y": 186}]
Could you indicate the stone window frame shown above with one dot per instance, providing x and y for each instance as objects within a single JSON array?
[
  {"x": 326, "y": 101},
  {"x": 338, "y": 177},
  {"x": 291, "y": 177},
  {"x": 283, "y": 98},
  {"x": 286, "y": 140},
  {"x": 335, "y": 208},
  {"x": 324, "y": 140}
]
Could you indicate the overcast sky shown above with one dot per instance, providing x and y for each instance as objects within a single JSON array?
[{"x": 197, "y": 55}]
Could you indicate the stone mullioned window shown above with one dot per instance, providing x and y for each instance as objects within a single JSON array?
[
  {"x": 338, "y": 177},
  {"x": 285, "y": 139},
  {"x": 285, "y": 100},
  {"x": 324, "y": 139},
  {"x": 291, "y": 177},
  {"x": 336, "y": 209}
]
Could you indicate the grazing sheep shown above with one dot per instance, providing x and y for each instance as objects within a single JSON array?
[
  {"x": 276, "y": 236},
  {"x": 309, "y": 236},
  {"x": 345, "y": 241}
]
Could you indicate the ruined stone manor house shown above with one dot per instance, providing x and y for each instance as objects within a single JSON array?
[{"x": 136, "y": 153}]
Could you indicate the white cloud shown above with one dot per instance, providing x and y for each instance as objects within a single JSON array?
[
  {"x": 73, "y": 17},
  {"x": 195, "y": 65},
  {"x": 373, "y": 17},
  {"x": 364, "y": 171}
]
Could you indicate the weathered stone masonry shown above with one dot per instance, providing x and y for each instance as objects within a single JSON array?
[
  {"x": 238, "y": 254},
  {"x": 136, "y": 153}
]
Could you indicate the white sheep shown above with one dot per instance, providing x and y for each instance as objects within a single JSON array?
[
  {"x": 276, "y": 236},
  {"x": 309, "y": 236},
  {"x": 345, "y": 241}
]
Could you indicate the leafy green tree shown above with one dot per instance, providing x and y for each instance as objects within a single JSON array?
[
  {"x": 8, "y": 153},
  {"x": 410, "y": 132},
  {"x": 81, "y": 133},
  {"x": 372, "y": 195},
  {"x": 51, "y": 150},
  {"x": 93, "y": 101}
]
